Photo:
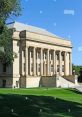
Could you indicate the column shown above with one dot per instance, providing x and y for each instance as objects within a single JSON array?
[
  {"x": 54, "y": 61},
  {"x": 20, "y": 60},
  {"x": 48, "y": 62},
  {"x": 70, "y": 63},
  {"x": 26, "y": 61},
  {"x": 60, "y": 63},
  {"x": 37, "y": 62},
  {"x": 34, "y": 60},
  {"x": 41, "y": 61},
  {"x": 23, "y": 62},
  {"x": 65, "y": 53},
  {"x": 30, "y": 60}
]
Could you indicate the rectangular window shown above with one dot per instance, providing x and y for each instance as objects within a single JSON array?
[
  {"x": 45, "y": 55},
  {"x": 51, "y": 56},
  {"x": 31, "y": 54},
  {"x": 39, "y": 55},
  {"x": 39, "y": 67},
  {"x": 52, "y": 68},
  {"x": 24, "y": 53},
  {"x": 62, "y": 68},
  {"x": 57, "y": 68},
  {"x": 57, "y": 56},
  {"x": 32, "y": 67},
  {"x": 24, "y": 67},
  {"x": 62, "y": 57},
  {"x": 4, "y": 67}
]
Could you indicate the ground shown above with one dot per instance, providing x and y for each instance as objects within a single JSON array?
[{"x": 40, "y": 102}]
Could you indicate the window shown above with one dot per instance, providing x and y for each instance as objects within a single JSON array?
[
  {"x": 45, "y": 55},
  {"x": 51, "y": 56},
  {"x": 39, "y": 55},
  {"x": 31, "y": 54},
  {"x": 4, "y": 83},
  {"x": 62, "y": 68},
  {"x": 4, "y": 67},
  {"x": 52, "y": 68},
  {"x": 39, "y": 67},
  {"x": 57, "y": 56},
  {"x": 32, "y": 67},
  {"x": 24, "y": 53},
  {"x": 24, "y": 67},
  {"x": 57, "y": 68},
  {"x": 17, "y": 83},
  {"x": 62, "y": 57}
]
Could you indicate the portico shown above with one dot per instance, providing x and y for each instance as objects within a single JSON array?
[{"x": 46, "y": 62}]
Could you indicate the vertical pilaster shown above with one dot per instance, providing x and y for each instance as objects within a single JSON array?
[
  {"x": 54, "y": 61},
  {"x": 41, "y": 61},
  {"x": 60, "y": 63},
  {"x": 26, "y": 61},
  {"x": 70, "y": 63},
  {"x": 65, "y": 60},
  {"x": 48, "y": 66},
  {"x": 34, "y": 61},
  {"x": 37, "y": 62}
]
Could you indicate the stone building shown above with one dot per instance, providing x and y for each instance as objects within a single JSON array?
[{"x": 39, "y": 53}]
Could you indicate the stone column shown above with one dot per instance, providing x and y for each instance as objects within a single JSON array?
[
  {"x": 37, "y": 62},
  {"x": 54, "y": 61},
  {"x": 41, "y": 61},
  {"x": 26, "y": 61},
  {"x": 48, "y": 66},
  {"x": 30, "y": 60},
  {"x": 34, "y": 61},
  {"x": 60, "y": 63},
  {"x": 23, "y": 62},
  {"x": 70, "y": 63},
  {"x": 65, "y": 54}
]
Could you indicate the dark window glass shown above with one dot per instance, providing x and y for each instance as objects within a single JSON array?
[
  {"x": 57, "y": 56},
  {"x": 57, "y": 68},
  {"x": 62, "y": 68},
  {"x": 4, "y": 67}
]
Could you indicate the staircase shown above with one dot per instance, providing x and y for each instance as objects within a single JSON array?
[{"x": 79, "y": 88}]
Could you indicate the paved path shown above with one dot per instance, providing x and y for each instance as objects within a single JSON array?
[{"x": 79, "y": 88}]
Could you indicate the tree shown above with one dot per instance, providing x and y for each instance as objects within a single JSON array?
[
  {"x": 8, "y": 8},
  {"x": 76, "y": 68}
]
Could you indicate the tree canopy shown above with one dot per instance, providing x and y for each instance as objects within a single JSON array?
[{"x": 8, "y": 8}]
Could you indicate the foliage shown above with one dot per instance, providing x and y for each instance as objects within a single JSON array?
[
  {"x": 76, "y": 68},
  {"x": 7, "y": 8}
]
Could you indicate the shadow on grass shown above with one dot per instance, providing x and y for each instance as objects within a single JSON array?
[
  {"x": 75, "y": 91},
  {"x": 37, "y": 106}
]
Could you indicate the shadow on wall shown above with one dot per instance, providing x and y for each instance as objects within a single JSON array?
[
  {"x": 47, "y": 81},
  {"x": 37, "y": 106}
]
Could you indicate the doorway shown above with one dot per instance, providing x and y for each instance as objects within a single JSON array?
[{"x": 4, "y": 83}]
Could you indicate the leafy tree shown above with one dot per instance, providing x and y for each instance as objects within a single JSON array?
[
  {"x": 76, "y": 68},
  {"x": 8, "y": 8}
]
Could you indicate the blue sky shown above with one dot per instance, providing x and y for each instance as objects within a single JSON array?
[{"x": 61, "y": 17}]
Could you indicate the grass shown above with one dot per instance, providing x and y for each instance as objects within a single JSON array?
[{"x": 40, "y": 102}]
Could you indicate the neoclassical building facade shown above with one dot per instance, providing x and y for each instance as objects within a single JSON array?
[{"x": 39, "y": 53}]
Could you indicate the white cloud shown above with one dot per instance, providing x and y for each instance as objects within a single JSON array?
[{"x": 69, "y": 12}]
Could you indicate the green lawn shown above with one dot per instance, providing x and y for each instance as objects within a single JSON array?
[{"x": 40, "y": 102}]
